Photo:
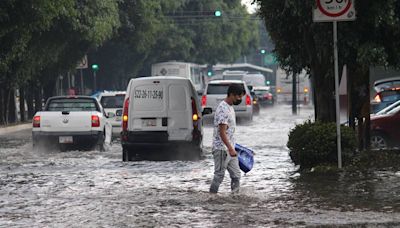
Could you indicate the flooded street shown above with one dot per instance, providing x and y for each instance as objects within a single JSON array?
[{"x": 97, "y": 189}]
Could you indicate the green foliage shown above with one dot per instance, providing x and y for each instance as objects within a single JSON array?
[
  {"x": 155, "y": 31},
  {"x": 314, "y": 143}
]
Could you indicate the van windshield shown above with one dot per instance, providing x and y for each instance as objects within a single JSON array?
[{"x": 218, "y": 88}]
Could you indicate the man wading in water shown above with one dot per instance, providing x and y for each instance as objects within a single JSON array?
[{"x": 223, "y": 147}]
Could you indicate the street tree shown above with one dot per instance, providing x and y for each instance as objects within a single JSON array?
[{"x": 302, "y": 44}]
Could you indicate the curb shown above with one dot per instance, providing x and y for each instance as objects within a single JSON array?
[{"x": 11, "y": 129}]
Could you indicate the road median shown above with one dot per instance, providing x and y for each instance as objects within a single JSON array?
[{"x": 14, "y": 128}]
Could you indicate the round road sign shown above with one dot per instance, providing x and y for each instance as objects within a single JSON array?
[{"x": 334, "y": 8}]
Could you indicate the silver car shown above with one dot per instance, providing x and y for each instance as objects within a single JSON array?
[{"x": 216, "y": 91}]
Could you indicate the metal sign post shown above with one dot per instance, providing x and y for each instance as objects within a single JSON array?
[{"x": 334, "y": 11}]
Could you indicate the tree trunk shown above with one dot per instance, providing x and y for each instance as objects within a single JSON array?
[
  {"x": 22, "y": 103},
  {"x": 360, "y": 104},
  {"x": 38, "y": 99},
  {"x": 11, "y": 114},
  {"x": 2, "y": 95},
  {"x": 29, "y": 101},
  {"x": 324, "y": 96}
]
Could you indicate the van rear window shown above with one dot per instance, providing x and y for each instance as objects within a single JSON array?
[
  {"x": 218, "y": 88},
  {"x": 72, "y": 104}
]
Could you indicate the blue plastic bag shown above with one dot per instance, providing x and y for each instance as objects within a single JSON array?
[{"x": 246, "y": 158}]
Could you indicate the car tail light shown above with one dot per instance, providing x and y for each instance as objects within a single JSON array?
[
  {"x": 95, "y": 121},
  {"x": 248, "y": 100},
  {"x": 377, "y": 98},
  {"x": 204, "y": 100},
  {"x": 125, "y": 115},
  {"x": 195, "y": 117},
  {"x": 36, "y": 121}
]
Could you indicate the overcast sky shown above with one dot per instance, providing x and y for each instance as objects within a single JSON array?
[{"x": 251, "y": 8}]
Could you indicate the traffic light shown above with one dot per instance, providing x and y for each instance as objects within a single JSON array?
[
  {"x": 263, "y": 51},
  {"x": 210, "y": 71},
  {"x": 95, "y": 67},
  {"x": 267, "y": 82},
  {"x": 217, "y": 13}
]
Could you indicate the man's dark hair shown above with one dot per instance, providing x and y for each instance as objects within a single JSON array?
[{"x": 235, "y": 89}]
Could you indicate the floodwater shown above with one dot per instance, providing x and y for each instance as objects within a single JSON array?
[{"x": 97, "y": 189}]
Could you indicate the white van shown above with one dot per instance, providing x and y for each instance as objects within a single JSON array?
[{"x": 161, "y": 113}]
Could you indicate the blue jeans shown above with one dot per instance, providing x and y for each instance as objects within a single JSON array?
[{"x": 222, "y": 162}]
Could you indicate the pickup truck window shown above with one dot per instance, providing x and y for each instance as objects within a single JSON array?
[{"x": 72, "y": 104}]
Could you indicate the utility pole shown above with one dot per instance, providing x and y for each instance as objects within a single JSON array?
[{"x": 294, "y": 94}]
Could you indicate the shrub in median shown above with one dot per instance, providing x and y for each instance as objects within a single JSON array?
[{"x": 314, "y": 143}]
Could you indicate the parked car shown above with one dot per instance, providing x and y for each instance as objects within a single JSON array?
[
  {"x": 264, "y": 95},
  {"x": 385, "y": 129},
  {"x": 387, "y": 92},
  {"x": 216, "y": 91},
  {"x": 77, "y": 122},
  {"x": 161, "y": 114},
  {"x": 113, "y": 102}
]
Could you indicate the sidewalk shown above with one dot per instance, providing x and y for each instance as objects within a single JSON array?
[{"x": 14, "y": 128}]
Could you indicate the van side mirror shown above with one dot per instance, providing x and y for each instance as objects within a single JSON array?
[
  {"x": 206, "y": 111},
  {"x": 250, "y": 87}
]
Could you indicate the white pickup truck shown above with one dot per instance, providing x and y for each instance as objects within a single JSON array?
[{"x": 77, "y": 122}]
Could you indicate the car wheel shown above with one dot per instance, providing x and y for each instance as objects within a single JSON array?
[
  {"x": 378, "y": 141},
  {"x": 101, "y": 144}
]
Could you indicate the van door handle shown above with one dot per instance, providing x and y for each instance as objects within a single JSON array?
[{"x": 164, "y": 121}]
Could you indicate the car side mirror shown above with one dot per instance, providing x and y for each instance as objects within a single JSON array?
[
  {"x": 110, "y": 115},
  {"x": 206, "y": 111}
]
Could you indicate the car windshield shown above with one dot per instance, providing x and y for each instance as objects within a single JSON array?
[
  {"x": 218, "y": 88},
  {"x": 112, "y": 101},
  {"x": 72, "y": 104},
  {"x": 260, "y": 92}
]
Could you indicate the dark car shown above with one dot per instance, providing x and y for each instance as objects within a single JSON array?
[
  {"x": 385, "y": 129},
  {"x": 256, "y": 104},
  {"x": 264, "y": 95}
]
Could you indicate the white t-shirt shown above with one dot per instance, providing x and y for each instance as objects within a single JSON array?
[{"x": 224, "y": 114}]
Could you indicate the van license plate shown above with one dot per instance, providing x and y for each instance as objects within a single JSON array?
[
  {"x": 65, "y": 139},
  {"x": 149, "y": 123}
]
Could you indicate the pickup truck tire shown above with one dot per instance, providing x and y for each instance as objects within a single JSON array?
[{"x": 100, "y": 146}]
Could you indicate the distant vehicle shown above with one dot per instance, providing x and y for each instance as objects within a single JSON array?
[
  {"x": 385, "y": 129},
  {"x": 251, "y": 79},
  {"x": 284, "y": 87},
  {"x": 71, "y": 122},
  {"x": 256, "y": 104},
  {"x": 191, "y": 71},
  {"x": 216, "y": 91},
  {"x": 161, "y": 113},
  {"x": 113, "y": 102},
  {"x": 264, "y": 95},
  {"x": 387, "y": 92}
]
